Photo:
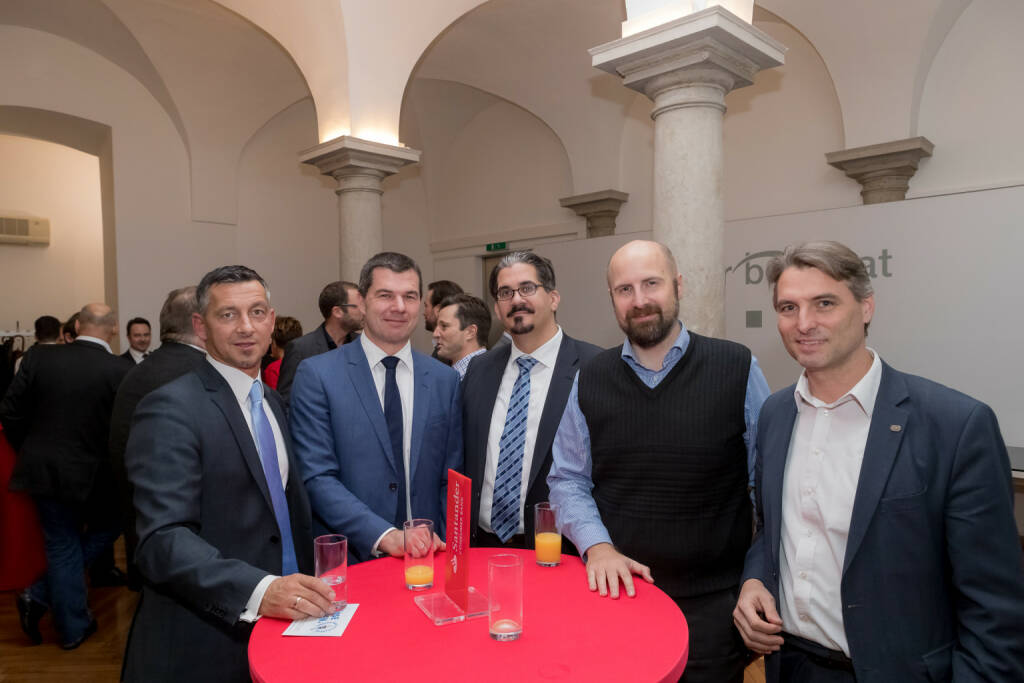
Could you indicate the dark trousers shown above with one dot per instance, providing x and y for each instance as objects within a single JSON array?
[
  {"x": 71, "y": 546},
  {"x": 802, "y": 661},
  {"x": 717, "y": 653}
]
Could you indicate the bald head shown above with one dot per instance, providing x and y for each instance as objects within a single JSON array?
[
  {"x": 655, "y": 254},
  {"x": 645, "y": 284},
  {"x": 97, "y": 320}
]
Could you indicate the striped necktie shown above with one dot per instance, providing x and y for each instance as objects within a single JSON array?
[
  {"x": 508, "y": 480},
  {"x": 393, "y": 417}
]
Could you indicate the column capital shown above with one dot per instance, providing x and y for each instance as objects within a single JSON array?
[
  {"x": 599, "y": 208},
  {"x": 883, "y": 170},
  {"x": 347, "y": 156},
  {"x": 712, "y": 46}
]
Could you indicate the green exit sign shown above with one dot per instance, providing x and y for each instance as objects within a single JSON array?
[{"x": 497, "y": 246}]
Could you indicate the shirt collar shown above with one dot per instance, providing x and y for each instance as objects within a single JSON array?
[
  {"x": 374, "y": 354},
  {"x": 240, "y": 383},
  {"x": 546, "y": 354},
  {"x": 137, "y": 356},
  {"x": 682, "y": 342},
  {"x": 94, "y": 340},
  {"x": 863, "y": 392},
  {"x": 462, "y": 364}
]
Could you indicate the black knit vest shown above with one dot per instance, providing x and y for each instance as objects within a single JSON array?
[{"x": 670, "y": 465}]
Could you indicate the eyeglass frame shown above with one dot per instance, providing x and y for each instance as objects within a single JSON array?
[{"x": 513, "y": 290}]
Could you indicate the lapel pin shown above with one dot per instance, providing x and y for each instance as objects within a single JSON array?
[{"x": 895, "y": 428}]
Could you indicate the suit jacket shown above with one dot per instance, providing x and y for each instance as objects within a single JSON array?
[
  {"x": 297, "y": 350},
  {"x": 342, "y": 444},
  {"x": 480, "y": 391},
  {"x": 932, "y": 586},
  {"x": 207, "y": 531},
  {"x": 56, "y": 414}
]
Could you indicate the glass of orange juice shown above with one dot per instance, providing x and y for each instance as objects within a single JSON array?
[
  {"x": 546, "y": 538},
  {"x": 419, "y": 554}
]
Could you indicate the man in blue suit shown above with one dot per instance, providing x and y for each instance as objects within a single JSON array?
[
  {"x": 886, "y": 547},
  {"x": 376, "y": 425}
]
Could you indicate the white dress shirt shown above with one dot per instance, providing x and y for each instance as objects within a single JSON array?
[
  {"x": 94, "y": 340},
  {"x": 137, "y": 356},
  {"x": 540, "y": 381},
  {"x": 241, "y": 384},
  {"x": 818, "y": 490}
]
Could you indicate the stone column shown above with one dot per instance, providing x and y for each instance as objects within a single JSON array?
[
  {"x": 599, "y": 208},
  {"x": 884, "y": 170},
  {"x": 359, "y": 166},
  {"x": 686, "y": 67}
]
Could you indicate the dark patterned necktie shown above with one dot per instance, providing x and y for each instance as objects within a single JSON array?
[{"x": 508, "y": 480}]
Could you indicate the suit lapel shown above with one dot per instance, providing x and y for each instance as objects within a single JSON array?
[
  {"x": 777, "y": 438},
  {"x": 562, "y": 375},
  {"x": 362, "y": 383},
  {"x": 420, "y": 406},
  {"x": 888, "y": 424},
  {"x": 220, "y": 394},
  {"x": 490, "y": 383}
]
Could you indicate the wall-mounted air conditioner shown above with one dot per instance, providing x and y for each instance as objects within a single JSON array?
[{"x": 28, "y": 231}]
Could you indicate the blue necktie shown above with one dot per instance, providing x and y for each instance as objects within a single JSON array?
[
  {"x": 393, "y": 416},
  {"x": 508, "y": 480},
  {"x": 272, "y": 471}
]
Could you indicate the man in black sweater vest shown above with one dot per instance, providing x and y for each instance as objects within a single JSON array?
[{"x": 662, "y": 428}]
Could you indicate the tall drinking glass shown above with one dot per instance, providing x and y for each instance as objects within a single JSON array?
[
  {"x": 419, "y": 554},
  {"x": 505, "y": 597},
  {"x": 547, "y": 540},
  {"x": 330, "y": 555}
]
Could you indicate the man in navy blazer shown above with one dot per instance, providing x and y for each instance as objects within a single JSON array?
[
  {"x": 886, "y": 547},
  {"x": 223, "y": 519},
  {"x": 376, "y": 425}
]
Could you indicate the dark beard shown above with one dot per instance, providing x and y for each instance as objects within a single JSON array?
[
  {"x": 649, "y": 334},
  {"x": 518, "y": 326}
]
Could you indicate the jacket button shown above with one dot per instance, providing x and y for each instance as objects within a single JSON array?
[
  {"x": 275, "y": 539},
  {"x": 393, "y": 486}
]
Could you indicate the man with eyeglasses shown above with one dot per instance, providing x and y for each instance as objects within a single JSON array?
[
  {"x": 376, "y": 425},
  {"x": 341, "y": 305},
  {"x": 654, "y": 455},
  {"x": 514, "y": 397}
]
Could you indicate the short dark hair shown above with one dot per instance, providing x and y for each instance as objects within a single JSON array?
[
  {"x": 136, "y": 321},
  {"x": 441, "y": 290},
  {"x": 286, "y": 328},
  {"x": 47, "y": 328},
  {"x": 393, "y": 261},
  {"x": 176, "y": 315},
  {"x": 225, "y": 275},
  {"x": 470, "y": 311},
  {"x": 69, "y": 326},
  {"x": 835, "y": 259},
  {"x": 545, "y": 271},
  {"x": 334, "y": 294}
]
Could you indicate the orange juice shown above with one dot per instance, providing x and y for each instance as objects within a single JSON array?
[
  {"x": 549, "y": 548},
  {"x": 419, "y": 576}
]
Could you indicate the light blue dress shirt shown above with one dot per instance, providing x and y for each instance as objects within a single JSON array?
[{"x": 570, "y": 477}]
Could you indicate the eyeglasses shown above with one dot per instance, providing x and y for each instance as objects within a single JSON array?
[{"x": 526, "y": 289}]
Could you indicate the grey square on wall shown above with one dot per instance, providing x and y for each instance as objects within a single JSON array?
[{"x": 753, "y": 318}]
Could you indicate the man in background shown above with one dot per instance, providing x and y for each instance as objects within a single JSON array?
[
  {"x": 47, "y": 333},
  {"x": 139, "y": 338},
  {"x": 341, "y": 306},
  {"x": 56, "y": 414},
  {"x": 463, "y": 323}
]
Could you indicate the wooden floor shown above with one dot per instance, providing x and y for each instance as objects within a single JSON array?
[{"x": 98, "y": 660}]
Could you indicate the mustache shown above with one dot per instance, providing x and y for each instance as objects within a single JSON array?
[
  {"x": 520, "y": 307},
  {"x": 649, "y": 309}
]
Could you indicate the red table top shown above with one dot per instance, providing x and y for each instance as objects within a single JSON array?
[
  {"x": 569, "y": 633},
  {"x": 22, "y": 558}
]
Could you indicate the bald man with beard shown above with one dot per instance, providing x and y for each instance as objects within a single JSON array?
[{"x": 56, "y": 414}]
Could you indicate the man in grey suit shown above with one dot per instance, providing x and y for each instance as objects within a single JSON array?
[
  {"x": 341, "y": 305},
  {"x": 223, "y": 518},
  {"x": 523, "y": 287}
]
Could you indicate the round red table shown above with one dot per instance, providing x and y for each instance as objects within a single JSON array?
[{"x": 569, "y": 633}]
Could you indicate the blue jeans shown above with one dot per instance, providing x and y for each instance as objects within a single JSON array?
[{"x": 70, "y": 548}]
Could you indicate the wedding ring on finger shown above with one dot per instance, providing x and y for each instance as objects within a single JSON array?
[{"x": 296, "y": 605}]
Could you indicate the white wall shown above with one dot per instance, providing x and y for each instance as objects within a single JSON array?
[{"x": 61, "y": 184}]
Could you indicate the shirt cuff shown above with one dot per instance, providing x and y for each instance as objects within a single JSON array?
[
  {"x": 375, "y": 551},
  {"x": 252, "y": 608},
  {"x": 590, "y": 537}
]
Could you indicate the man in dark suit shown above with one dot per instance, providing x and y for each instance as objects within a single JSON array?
[
  {"x": 515, "y": 475},
  {"x": 341, "y": 305},
  {"x": 886, "y": 547},
  {"x": 180, "y": 351},
  {"x": 376, "y": 424},
  {"x": 223, "y": 518},
  {"x": 140, "y": 335},
  {"x": 56, "y": 414}
]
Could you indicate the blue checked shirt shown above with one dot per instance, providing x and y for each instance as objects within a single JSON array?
[{"x": 570, "y": 478}]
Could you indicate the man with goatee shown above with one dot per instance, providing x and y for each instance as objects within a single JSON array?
[{"x": 653, "y": 457}]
